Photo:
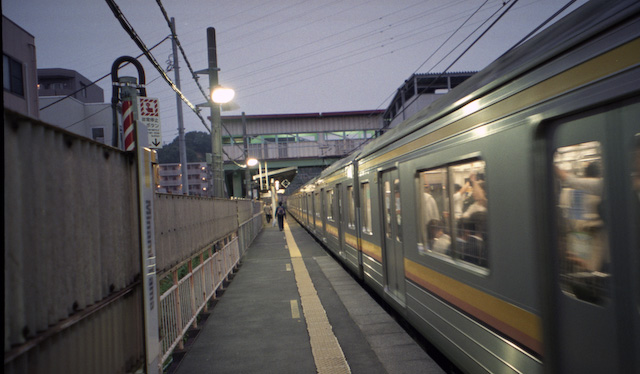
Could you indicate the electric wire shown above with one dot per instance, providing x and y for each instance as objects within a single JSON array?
[
  {"x": 434, "y": 80},
  {"x": 103, "y": 109},
  {"x": 320, "y": 64},
  {"x": 184, "y": 55},
  {"x": 131, "y": 32},
  {"x": 571, "y": 2},
  {"x": 101, "y": 78},
  {"x": 340, "y": 33},
  {"x": 193, "y": 74},
  {"x": 129, "y": 29},
  {"x": 375, "y": 44}
]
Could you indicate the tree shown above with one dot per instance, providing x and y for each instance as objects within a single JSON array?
[{"x": 198, "y": 144}]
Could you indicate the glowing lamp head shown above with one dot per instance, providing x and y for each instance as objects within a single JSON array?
[
  {"x": 252, "y": 162},
  {"x": 222, "y": 95}
]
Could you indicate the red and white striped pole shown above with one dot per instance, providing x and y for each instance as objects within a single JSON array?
[{"x": 127, "y": 116}]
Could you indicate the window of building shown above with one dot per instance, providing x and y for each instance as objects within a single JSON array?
[
  {"x": 366, "y": 208},
  {"x": 336, "y": 135},
  {"x": 286, "y": 138},
  {"x": 232, "y": 140},
  {"x": 97, "y": 134},
  {"x": 12, "y": 77},
  {"x": 307, "y": 137},
  {"x": 452, "y": 214}
]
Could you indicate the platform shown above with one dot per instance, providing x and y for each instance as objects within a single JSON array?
[{"x": 291, "y": 308}]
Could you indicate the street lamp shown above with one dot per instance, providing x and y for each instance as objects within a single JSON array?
[
  {"x": 219, "y": 95},
  {"x": 253, "y": 162},
  {"x": 222, "y": 95}
]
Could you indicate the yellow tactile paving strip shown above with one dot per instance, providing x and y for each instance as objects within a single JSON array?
[{"x": 327, "y": 353}]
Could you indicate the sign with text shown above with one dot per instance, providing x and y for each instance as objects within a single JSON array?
[{"x": 149, "y": 115}]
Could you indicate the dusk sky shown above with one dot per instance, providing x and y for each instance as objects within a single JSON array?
[{"x": 281, "y": 56}]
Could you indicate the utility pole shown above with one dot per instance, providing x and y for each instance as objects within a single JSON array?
[
  {"x": 216, "y": 121},
  {"x": 181, "y": 141}
]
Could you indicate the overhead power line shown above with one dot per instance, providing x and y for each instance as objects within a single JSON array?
[
  {"x": 465, "y": 51},
  {"x": 193, "y": 74},
  {"x": 101, "y": 78},
  {"x": 129, "y": 29}
]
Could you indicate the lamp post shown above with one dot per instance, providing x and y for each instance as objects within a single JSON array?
[
  {"x": 219, "y": 96},
  {"x": 271, "y": 187},
  {"x": 250, "y": 162}
]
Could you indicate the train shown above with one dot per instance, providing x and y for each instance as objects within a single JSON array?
[{"x": 503, "y": 220}]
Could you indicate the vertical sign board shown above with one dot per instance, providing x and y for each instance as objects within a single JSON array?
[
  {"x": 149, "y": 115},
  {"x": 148, "y": 256}
]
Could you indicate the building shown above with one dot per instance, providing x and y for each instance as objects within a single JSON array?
[
  {"x": 82, "y": 110},
  {"x": 306, "y": 141},
  {"x": 198, "y": 177},
  {"x": 65, "y": 82},
  {"x": 19, "y": 65},
  {"x": 418, "y": 92}
]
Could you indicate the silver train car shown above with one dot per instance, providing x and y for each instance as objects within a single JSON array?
[{"x": 503, "y": 221}]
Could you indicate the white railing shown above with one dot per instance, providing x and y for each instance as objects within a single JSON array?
[{"x": 181, "y": 304}]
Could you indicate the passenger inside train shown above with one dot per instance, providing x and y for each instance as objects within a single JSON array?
[
  {"x": 468, "y": 200},
  {"x": 582, "y": 230}
]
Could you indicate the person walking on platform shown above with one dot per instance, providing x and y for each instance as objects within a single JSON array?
[
  {"x": 267, "y": 212},
  {"x": 281, "y": 214}
]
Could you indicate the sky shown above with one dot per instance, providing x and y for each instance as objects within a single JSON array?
[{"x": 280, "y": 56}]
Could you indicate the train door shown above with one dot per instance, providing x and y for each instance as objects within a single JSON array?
[
  {"x": 393, "y": 255},
  {"x": 339, "y": 217},
  {"x": 595, "y": 288}
]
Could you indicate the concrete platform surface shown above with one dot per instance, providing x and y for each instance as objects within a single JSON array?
[{"x": 268, "y": 322}]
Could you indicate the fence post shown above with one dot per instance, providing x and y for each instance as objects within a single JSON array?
[
  {"x": 178, "y": 309},
  {"x": 203, "y": 278},
  {"x": 192, "y": 292}
]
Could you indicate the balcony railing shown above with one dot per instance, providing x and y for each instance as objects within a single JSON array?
[{"x": 329, "y": 148}]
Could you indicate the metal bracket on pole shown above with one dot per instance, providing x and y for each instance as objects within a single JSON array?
[{"x": 115, "y": 97}]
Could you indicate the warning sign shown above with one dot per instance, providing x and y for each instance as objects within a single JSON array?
[{"x": 150, "y": 116}]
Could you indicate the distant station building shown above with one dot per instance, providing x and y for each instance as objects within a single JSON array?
[
  {"x": 418, "y": 92},
  {"x": 293, "y": 147},
  {"x": 310, "y": 142}
]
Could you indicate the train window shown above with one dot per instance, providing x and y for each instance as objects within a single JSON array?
[
  {"x": 318, "y": 208},
  {"x": 387, "y": 208},
  {"x": 366, "y": 208},
  {"x": 582, "y": 233},
  {"x": 396, "y": 192},
  {"x": 463, "y": 234},
  {"x": 470, "y": 207},
  {"x": 433, "y": 231},
  {"x": 352, "y": 207},
  {"x": 330, "y": 205}
]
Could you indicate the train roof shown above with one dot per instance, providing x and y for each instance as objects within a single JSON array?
[
  {"x": 340, "y": 164},
  {"x": 581, "y": 24}
]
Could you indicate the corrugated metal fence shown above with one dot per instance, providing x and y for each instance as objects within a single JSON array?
[{"x": 73, "y": 300}]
